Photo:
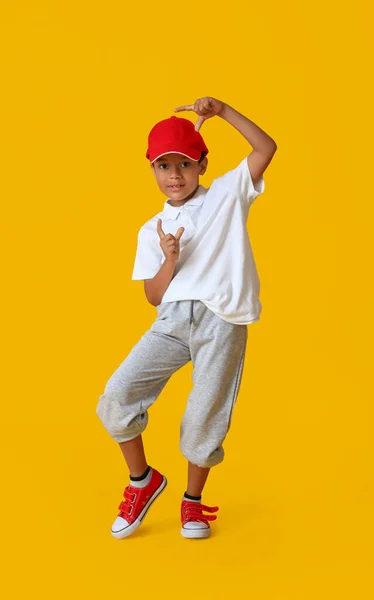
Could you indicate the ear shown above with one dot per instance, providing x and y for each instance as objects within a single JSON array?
[
  {"x": 152, "y": 169},
  {"x": 203, "y": 165}
]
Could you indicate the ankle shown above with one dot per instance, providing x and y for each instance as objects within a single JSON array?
[
  {"x": 143, "y": 480},
  {"x": 142, "y": 476},
  {"x": 192, "y": 498}
]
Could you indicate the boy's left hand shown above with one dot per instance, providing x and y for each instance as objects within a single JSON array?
[{"x": 204, "y": 107}]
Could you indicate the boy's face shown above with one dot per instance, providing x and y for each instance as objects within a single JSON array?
[{"x": 178, "y": 176}]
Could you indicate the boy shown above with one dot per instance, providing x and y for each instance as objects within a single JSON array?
[{"x": 199, "y": 272}]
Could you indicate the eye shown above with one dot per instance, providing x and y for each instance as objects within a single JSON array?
[
  {"x": 186, "y": 163},
  {"x": 162, "y": 165}
]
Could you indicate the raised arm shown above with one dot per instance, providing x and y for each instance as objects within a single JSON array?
[{"x": 264, "y": 147}]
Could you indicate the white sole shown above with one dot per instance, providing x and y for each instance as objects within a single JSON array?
[
  {"x": 126, "y": 531},
  {"x": 195, "y": 533}
]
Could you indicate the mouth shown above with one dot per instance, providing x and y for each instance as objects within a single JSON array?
[{"x": 175, "y": 188}]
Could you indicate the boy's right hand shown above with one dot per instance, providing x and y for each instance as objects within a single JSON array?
[{"x": 169, "y": 243}]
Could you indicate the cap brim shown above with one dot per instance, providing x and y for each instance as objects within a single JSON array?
[{"x": 175, "y": 152}]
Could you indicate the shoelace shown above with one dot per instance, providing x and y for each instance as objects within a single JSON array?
[{"x": 193, "y": 511}]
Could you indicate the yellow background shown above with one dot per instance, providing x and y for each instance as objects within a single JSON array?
[{"x": 82, "y": 84}]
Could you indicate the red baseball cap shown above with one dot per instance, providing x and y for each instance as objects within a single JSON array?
[{"x": 175, "y": 135}]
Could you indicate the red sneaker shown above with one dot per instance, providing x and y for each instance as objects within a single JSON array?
[
  {"x": 136, "y": 505},
  {"x": 194, "y": 523}
]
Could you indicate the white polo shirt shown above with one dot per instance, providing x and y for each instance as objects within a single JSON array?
[{"x": 216, "y": 263}]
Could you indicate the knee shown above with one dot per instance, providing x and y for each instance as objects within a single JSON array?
[
  {"x": 121, "y": 420},
  {"x": 118, "y": 394},
  {"x": 117, "y": 389}
]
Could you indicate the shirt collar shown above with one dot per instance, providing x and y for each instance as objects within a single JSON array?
[{"x": 172, "y": 212}]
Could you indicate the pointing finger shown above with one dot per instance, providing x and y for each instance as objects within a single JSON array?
[
  {"x": 199, "y": 123},
  {"x": 179, "y": 233},
  {"x": 159, "y": 229},
  {"x": 185, "y": 107}
]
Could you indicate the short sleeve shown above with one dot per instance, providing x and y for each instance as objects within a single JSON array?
[
  {"x": 149, "y": 257},
  {"x": 239, "y": 182}
]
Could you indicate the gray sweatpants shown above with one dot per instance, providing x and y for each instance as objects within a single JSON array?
[{"x": 183, "y": 330}]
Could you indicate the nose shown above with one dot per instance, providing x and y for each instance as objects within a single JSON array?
[{"x": 175, "y": 174}]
